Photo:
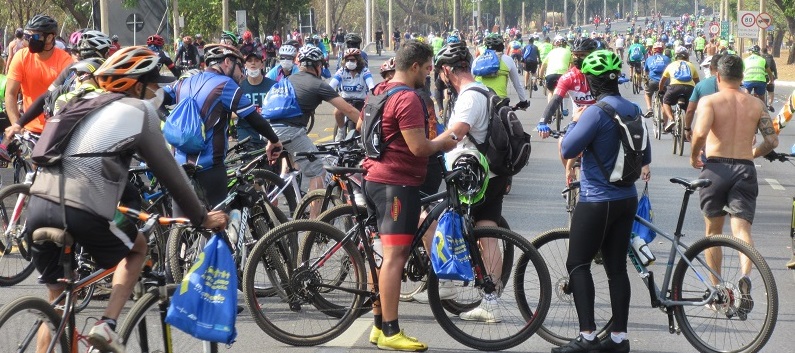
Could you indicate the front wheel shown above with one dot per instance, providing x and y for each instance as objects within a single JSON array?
[
  {"x": 183, "y": 248},
  {"x": 742, "y": 314},
  {"x": 15, "y": 255},
  {"x": 22, "y": 318},
  {"x": 680, "y": 130}
]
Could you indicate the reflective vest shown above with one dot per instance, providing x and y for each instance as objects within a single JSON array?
[{"x": 755, "y": 69}]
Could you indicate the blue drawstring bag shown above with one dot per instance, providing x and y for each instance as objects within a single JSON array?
[
  {"x": 645, "y": 212},
  {"x": 205, "y": 302},
  {"x": 487, "y": 64},
  {"x": 280, "y": 102},
  {"x": 449, "y": 253},
  {"x": 184, "y": 127}
]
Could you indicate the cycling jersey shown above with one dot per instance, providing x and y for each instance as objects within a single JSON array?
[
  {"x": 544, "y": 49},
  {"x": 700, "y": 43},
  {"x": 636, "y": 52},
  {"x": 352, "y": 85},
  {"x": 670, "y": 72},
  {"x": 649, "y": 41},
  {"x": 499, "y": 82},
  {"x": 688, "y": 40},
  {"x": 574, "y": 84},
  {"x": 557, "y": 61},
  {"x": 655, "y": 66}
]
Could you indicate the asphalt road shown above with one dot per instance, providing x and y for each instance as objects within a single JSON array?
[{"x": 535, "y": 205}]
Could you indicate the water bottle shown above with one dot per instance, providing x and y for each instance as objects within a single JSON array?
[
  {"x": 378, "y": 250},
  {"x": 358, "y": 197},
  {"x": 233, "y": 227},
  {"x": 641, "y": 250}
]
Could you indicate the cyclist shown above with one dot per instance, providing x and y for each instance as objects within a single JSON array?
[
  {"x": 699, "y": 44},
  {"x": 229, "y": 38},
  {"x": 354, "y": 81},
  {"x": 327, "y": 42},
  {"x": 14, "y": 46},
  {"x": 499, "y": 82},
  {"x": 248, "y": 45},
  {"x": 155, "y": 44},
  {"x": 437, "y": 43},
  {"x": 271, "y": 52},
  {"x": 255, "y": 86},
  {"x": 216, "y": 88},
  {"x": 187, "y": 55},
  {"x": 353, "y": 40},
  {"x": 396, "y": 39},
  {"x": 771, "y": 86},
  {"x": 544, "y": 49},
  {"x": 636, "y": 53},
  {"x": 756, "y": 74},
  {"x": 603, "y": 217},
  {"x": 392, "y": 187},
  {"x": 516, "y": 51},
  {"x": 619, "y": 44},
  {"x": 654, "y": 67},
  {"x": 129, "y": 125},
  {"x": 688, "y": 41},
  {"x": 387, "y": 71},
  {"x": 531, "y": 57},
  {"x": 554, "y": 66},
  {"x": 114, "y": 45},
  {"x": 683, "y": 77},
  {"x": 286, "y": 67}
]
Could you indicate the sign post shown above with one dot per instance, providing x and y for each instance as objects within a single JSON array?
[
  {"x": 240, "y": 19},
  {"x": 714, "y": 29},
  {"x": 746, "y": 24}
]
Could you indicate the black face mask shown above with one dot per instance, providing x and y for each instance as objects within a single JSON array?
[{"x": 35, "y": 46}]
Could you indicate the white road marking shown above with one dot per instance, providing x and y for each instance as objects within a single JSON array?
[
  {"x": 774, "y": 184},
  {"x": 359, "y": 327}
]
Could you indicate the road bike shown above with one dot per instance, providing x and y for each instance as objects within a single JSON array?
[
  {"x": 678, "y": 130},
  {"x": 704, "y": 303}
]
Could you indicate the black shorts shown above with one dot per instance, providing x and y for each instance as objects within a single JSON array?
[
  {"x": 674, "y": 92},
  {"x": 490, "y": 208},
  {"x": 531, "y": 66},
  {"x": 651, "y": 87},
  {"x": 396, "y": 207},
  {"x": 433, "y": 177},
  {"x": 207, "y": 184},
  {"x": 733, "y": 191},
  {"x": 770, "y": 87},
  {"x": 108, "y": 242},
  {"x": 551, "y": 81},
  {"x": 636, "y": 65}
]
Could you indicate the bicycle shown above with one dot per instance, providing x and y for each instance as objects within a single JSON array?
[
  {"x": 27, "y": 319},
  {"x": 379, "y": 46},
  {"x": 702, "y": 303},
  {"x": 19, "y": 149},
  {"x": 783, "y": 157},
  {"x": 339, "y": 302},
  {"x": 637, "y": 80},
  {"x": 678, "y": 131},
  {"x": 572, "y": 191},
  {"x": 658, "y": 116}
]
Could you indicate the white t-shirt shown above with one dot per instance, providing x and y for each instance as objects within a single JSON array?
[
  {"x": 619, "y": 42},
  {"x": 470, "y": 108}
]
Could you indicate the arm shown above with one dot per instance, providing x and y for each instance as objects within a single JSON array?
[
  {"x": 580, "y": 133},
  {"x": 701, "y": 129},
  {"x": 12, "y": 91},
  {"x": 420, "y": 146},
  {"x": 769, "y": 136},
  {"x": 261, "y": 126},
  {"x": 368, "y": 80},
  {"x": 549, "y": 110},
  {"x": 346, "y": 109},
  {"x": 513, "y": 73}
]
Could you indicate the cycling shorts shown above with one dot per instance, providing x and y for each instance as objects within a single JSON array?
[
  {"x": 531, "y": 66},
  {"x": 651, "y": 87},
  {"x": 755, "y": 87},
  {"x": 551, "y": 81},
  {"x": 675, "y": 92},
  {"x": 490, "y": 208},
  {"x": 636, "y": 65},
  {"x": 396, "y": 207}
]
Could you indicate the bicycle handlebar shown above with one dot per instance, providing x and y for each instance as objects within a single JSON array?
[
  {"x": 150, "y": 219},
  {"x": 781, "y": 157}
]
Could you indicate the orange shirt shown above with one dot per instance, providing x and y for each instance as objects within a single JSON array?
[{"x": 35, "y": 76}]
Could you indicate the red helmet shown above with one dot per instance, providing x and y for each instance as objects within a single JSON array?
[
  {"x": 155, "y": 40},
  {"x": 658, "y": 47},
  {"x": 247, "y": 36},
  {"x": 387, "y": 67}
]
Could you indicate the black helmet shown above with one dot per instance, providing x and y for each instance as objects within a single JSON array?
[
  {"x": 493, "y": 41},
  {"x": 755, "y": 49},
  {"x": 42, "y": 23},
  {"x": 353, "y": 39},
  {"x": 586, "y": 45},
  {"x": 453, "y": 54}
]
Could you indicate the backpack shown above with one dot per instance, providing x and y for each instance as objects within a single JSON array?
[
  {"x": 52, "y": 96},
  {"x": 658, "y": 65},
  {"x": 529, "y": 53},
  {"x": 372, "y": 127},
  {"x": 184, "y": 127},
  {"x": 683, "y": 73},
  {"x": 507, "y": 145},
  {"x": 281, "y": 102},
  {"x": 636, "y": 54},
  {"x": 629, "y": 160},
  {"x": 487, "y": 64},
  {"x": 49, "y": 150}
]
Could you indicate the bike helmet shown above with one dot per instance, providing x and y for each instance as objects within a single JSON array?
[
  {"x": 387, "y": 67},
  {"x": 247, "y": 36},
  {"x": 155, "y": 40},
  {"x": 198, "y": 36},
  {"x": 453, "y": 39},
  {"x": 353, "y": 39},
  {"x": 601, "y": 62},
  {"x": 269, "y": 38},
  {"x": 293, "y": 43},
  {"x": 215, "y": 53},
  {"x": 310, "y": 54},
  {"x": 288, "y": 50},
  {"x": 229, "y": 36},
  {"x": 682, "y": 51},
  {"x": 74, "y": 38},
  {"x": 658, "y": 47},
  {"x": 352, "y": 52},
  {"x": 115, "y": 38},
  {"x": 755, "y": 49},
  {"x": 454, "y": 55},
  {"x": 94, "y": 41},
  {"x": 123, "y": 69},
  {"x": 584, "y": 45},
  {"x": 42, "y": 23},
  {"x": 493, "y": 41},
  {"x": 558, "y": 41},
  {"x": 88, "y": 66},
  {"x": 472, "y": 183}
]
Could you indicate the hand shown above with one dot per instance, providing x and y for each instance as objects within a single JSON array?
[
  {"x": 448, "y": 144},
  {"x": 13, "y": 130},
  {"x": 273, "y": 150},
  {"x": 645, "y": 173},
  {"x": 577, "y": 112},
  {"x": 695, "y": 160},
  {"x": 543, "y": 130},
  {"x": 215, "y": 220},
  {"x": 523, "y": 105}
]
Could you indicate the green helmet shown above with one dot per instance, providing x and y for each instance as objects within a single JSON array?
[
  {"x": 601, "y": 62},
  {"x": 472, "y": 183},
  {"x": 230, "y": 36}
]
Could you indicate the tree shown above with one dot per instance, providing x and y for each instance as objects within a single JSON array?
[{"x": 787, "y": 7}]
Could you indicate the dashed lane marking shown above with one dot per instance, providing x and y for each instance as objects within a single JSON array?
[{"x": 774, "y": 184}]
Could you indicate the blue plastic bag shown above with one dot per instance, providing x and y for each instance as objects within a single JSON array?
[
  {"x": 449, "y": 254},
  {"x": 280, "y": 102},
  {"x": 645, "y": 212},
  {"x": 184, "y": 127},
  {"x": 205, "y": 303},
  {"x": 487, "y": 64}
]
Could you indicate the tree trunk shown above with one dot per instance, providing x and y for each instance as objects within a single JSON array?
[
  {"x": 779, "y": 37},
  {"x": 791, "y": 25}
]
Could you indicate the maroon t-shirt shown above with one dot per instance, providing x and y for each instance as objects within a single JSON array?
[{"x": 398, "y": 166}]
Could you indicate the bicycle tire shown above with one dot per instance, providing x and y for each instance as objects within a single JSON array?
[
  {"x": 525, "y": 319},
  {"x": 14, "y": 328},
  {"x": 764, "y": 299},
  {"x": 270, "y": 181},
  {"x": 183, "y": 247},
  {"x": 278, "y": 318},
  {"x": 680, "y": 128},
  {"x": 15, "y": 265},
  {"x": 303, "y": 208},
  {"x": 311, "y": 123},
  {"x": 144, "y": 317},
  {"x": 260, "y": 226},
  {"x": 561, "y": 324}
]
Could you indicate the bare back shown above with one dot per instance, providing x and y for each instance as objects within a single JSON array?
[
  {"x": 732, "y": 119},
  {"x": 711, "y": 49}
]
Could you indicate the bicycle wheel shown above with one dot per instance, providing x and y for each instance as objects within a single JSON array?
[
  {"x": 675, "y": 132},
  {"x": 183, "y": 248},
  {"x": 734, "y": 321},
  {"x": 523, "y": 300},
  {"x": 270, "y": 182},
  {"x": 561, "y": 324},
  {"x": 261, "y": 224},
  {"x": 300, "y": 320},
  {"x": 143, "y": 329},
  {"x": 635, "y": 82},
  {"x": 21, "y": 318},
  {"x": 15, "y": 256},
  {"x": 303, "y": 209},
  {"x": 680, "y": 130},
  {"x": 658, "y": 117}
]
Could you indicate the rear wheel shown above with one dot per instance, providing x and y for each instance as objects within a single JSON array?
[
  {"x": 21, "y": 318},
  {"x": 658, "y": 116},
  {"x": 15, "y": 255},
  {"x": 184, "y": 246}
]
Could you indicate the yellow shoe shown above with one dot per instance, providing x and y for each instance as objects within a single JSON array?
[
  {"x": 401, "y": 342},
  {"x": 375, "y": 334}
]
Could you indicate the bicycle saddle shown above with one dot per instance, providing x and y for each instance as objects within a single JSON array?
[
  {"x": 55, "y": 235},
  {"x": 692, "y": 185},
  {"x": 341, "y": 171}
]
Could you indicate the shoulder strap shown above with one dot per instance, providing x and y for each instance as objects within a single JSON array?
[
  {"x": 389, "y": 93},
  {"x": 610, "y": 111},
  {"x": 489, "y": 113}
]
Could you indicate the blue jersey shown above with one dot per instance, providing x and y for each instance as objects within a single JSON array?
[{"x": 655, "y": 66}]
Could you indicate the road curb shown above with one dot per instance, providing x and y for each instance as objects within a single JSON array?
[{"x": 790, "y": 84}]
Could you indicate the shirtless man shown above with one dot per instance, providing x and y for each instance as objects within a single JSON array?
[
  {"x": 710, "y": 49},
  {"x": 727, "y": 122}
]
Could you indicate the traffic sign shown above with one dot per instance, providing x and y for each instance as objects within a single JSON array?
[
  {"x": 724, "y": 29},
  {"x": 714, "y": 29},
  {"x": 764, "y": 20},
  {"x": 746, "y": 27}
]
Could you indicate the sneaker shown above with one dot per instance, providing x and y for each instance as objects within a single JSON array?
[
  {"x": 791, "y": 263},
  {"x": 669, "y": 127},
  {"x": 375, "y": 334},
  {"x": 746, "y": 303},
  {"x": 104, "y": 339},
  {"x": 578, "y": 345},
  {"x": 488, "y": 311},
  {"x": 649, "y": 114},
  {"x": 447, "y": 291},
  {"x": 607, "y": 345},
  {"x": 401, "y": 342}
]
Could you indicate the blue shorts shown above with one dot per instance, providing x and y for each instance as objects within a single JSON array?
[{"x": 755, "y": 87}]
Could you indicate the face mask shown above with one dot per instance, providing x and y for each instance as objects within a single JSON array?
[
  {"x": 350, "y": 65},
  {"x": 35, "y": 46},
  {"x": 287, "y": 65},
  {"x": 253, "y": 73}
]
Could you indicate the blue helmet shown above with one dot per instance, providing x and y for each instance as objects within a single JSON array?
[{"x": 453, "y": 39}]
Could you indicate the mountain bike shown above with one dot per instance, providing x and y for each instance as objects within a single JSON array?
[
  {"x": 678, "y": 130},
  {"x": 320, "y": 307},
  {"x": 19, "y": 149},
  {"x": 705, "y": 304}
]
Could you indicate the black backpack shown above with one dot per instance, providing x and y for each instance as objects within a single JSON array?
[
  {"x": 634, "y": 137},
  {"x": 372, "y": 132},
  {"x": 507, "y": 145},
  {"x": 49, "y": 150}
]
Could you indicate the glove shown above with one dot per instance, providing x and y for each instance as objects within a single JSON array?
[
  {"x": 523, "y": 105},
  {"x": 622, "y": 80},
  {"x": 542, "y": 127}
]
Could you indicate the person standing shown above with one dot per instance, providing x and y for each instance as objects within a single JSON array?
[{"x": 255, "y": 87}]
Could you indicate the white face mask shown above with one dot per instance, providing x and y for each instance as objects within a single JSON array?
[
  {"x": 253, "y": 73},
  {"x": 287, "y": 65},
  {"x": 350, "y": 65}
]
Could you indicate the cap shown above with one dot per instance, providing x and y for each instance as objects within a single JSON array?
[{"x": 255, "y": 53}]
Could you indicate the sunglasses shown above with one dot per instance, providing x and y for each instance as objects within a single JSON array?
[
  {"x": 285, "y": 58},
  {"x": 28, "y": 37}
]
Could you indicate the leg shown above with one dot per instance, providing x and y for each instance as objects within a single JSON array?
[
  {"x": 583, "y": 246},
  {"x": 127, "y": 273},
  {"x": 741, "y": 228},
  {"x": 614, "y": 249},
  {"x": 714, "y": 255},
  {"x": 669, "y": 114}
]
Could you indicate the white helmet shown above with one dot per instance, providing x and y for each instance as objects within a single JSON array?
[
  {"x": 269, "y": 38},
  {"x": 287, "y": 50}
]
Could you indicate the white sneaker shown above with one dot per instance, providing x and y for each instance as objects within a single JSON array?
[
  {"x": 447, "y": 291},
  {"x": 488, "y": 311},
  {"x": 103, "y": 339}
]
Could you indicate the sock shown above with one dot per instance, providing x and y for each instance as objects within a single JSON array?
[
  {"x": 589, "y": 336},
  {"x": 111, "y": 322},
  {"x": 618, "y": 337},
  {"x": 378, "y": 321},
  {"x": 390, "y": 328}
]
